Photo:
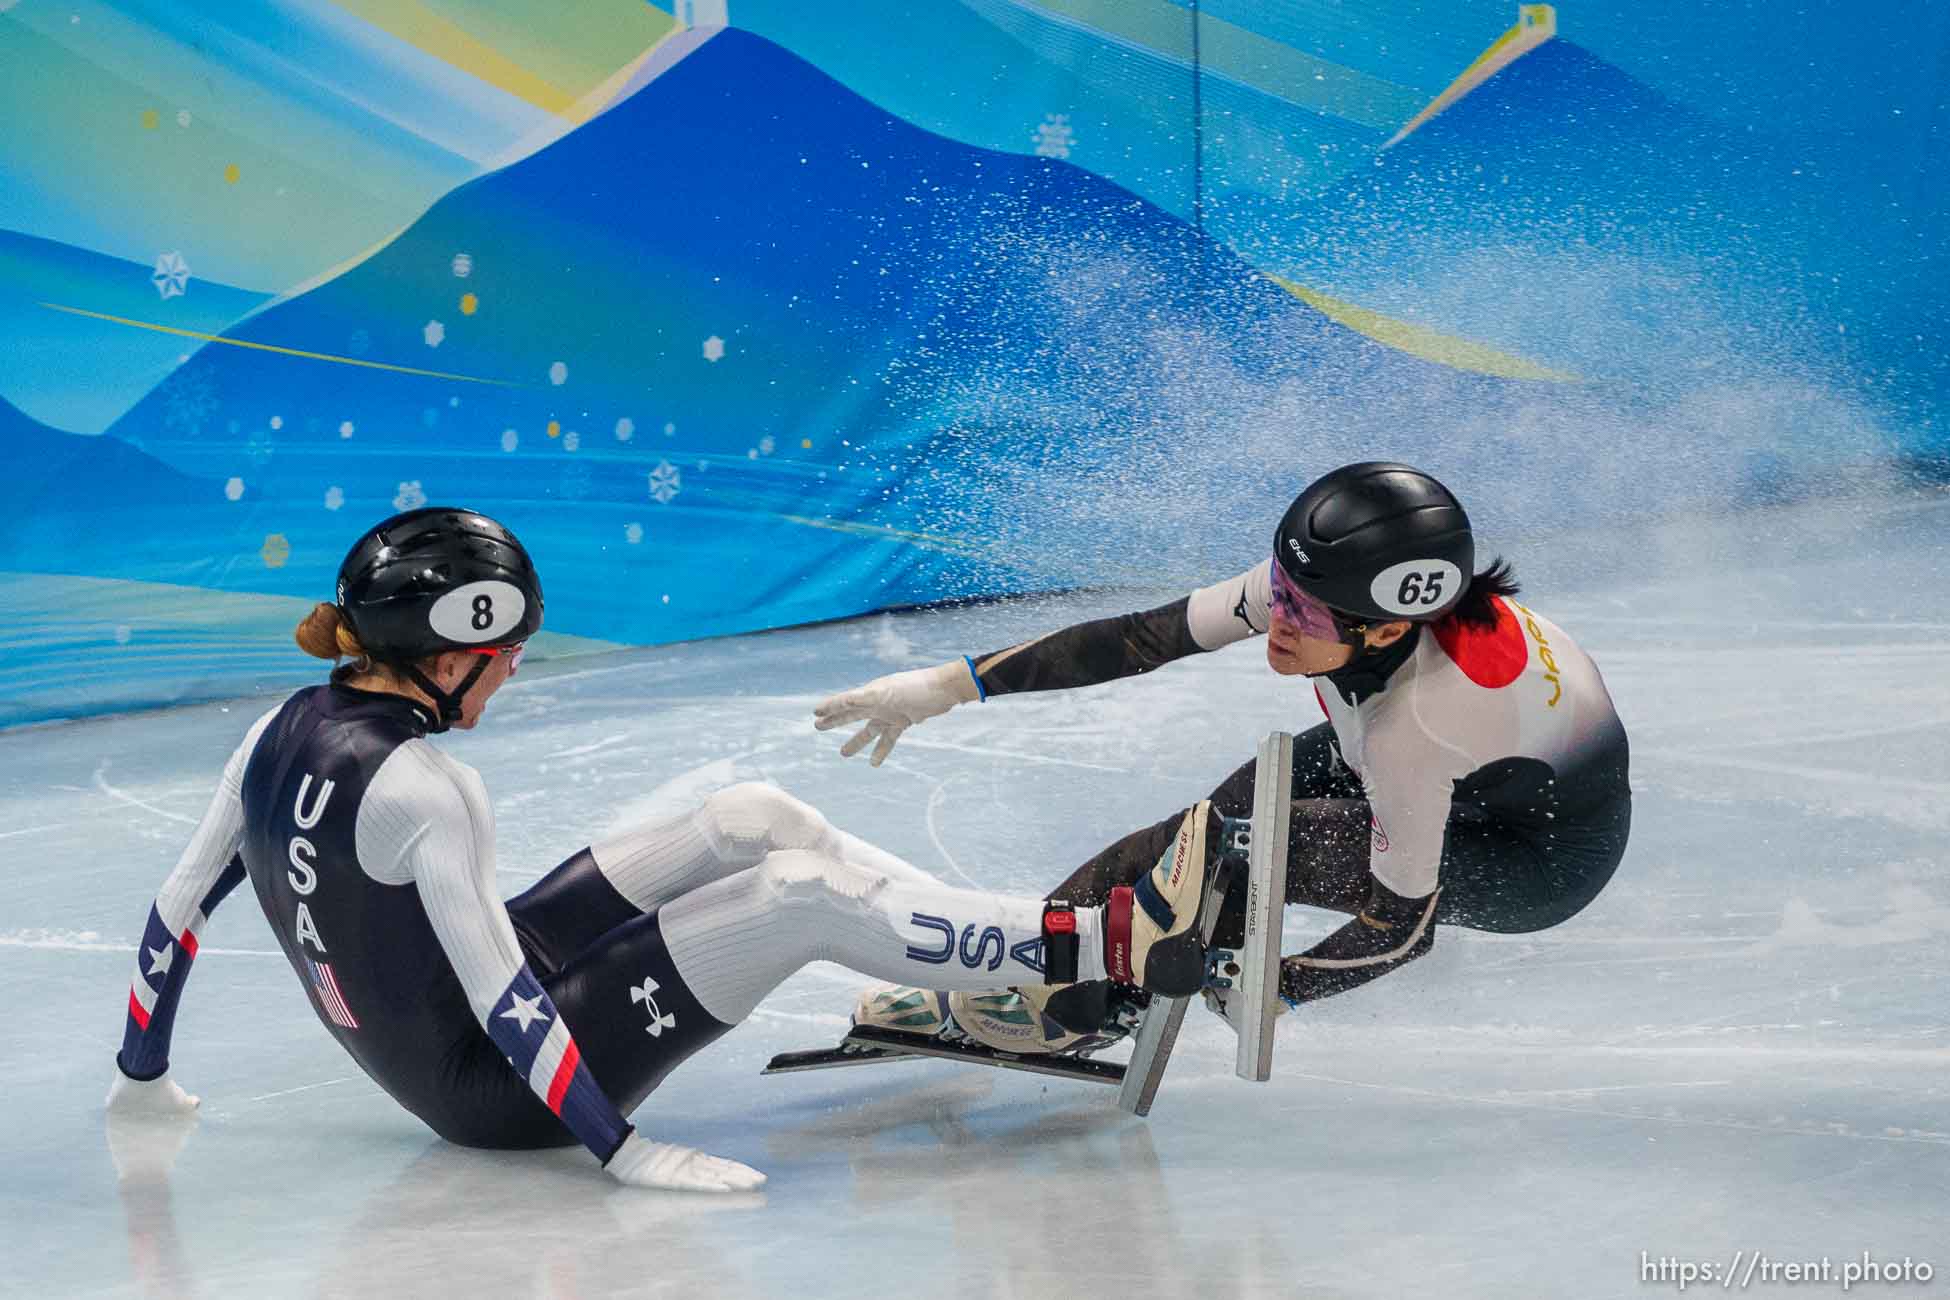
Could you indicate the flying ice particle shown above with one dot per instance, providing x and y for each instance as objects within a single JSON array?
[
  {"x": 410, "y": 496},
  {"x": 751, "y": 453},
  {"x": 571, "y": 441},
  {"x": 276, "y": 550},
  {"x": 234, "y": 489},
  {"x": 670, "y": 429},
  {"x": 182, "y": 117},
  {"x": 558, "y": 374},
  {"x": 434, "y": 332},
  {"x": 171, "y": 276},
  {"x": 346, "y": 428},
  {"x": 666, "y": 481},
  {"x": 510, "y": 440},
  {"x": 277, "y": 422},
  {"x": 767, "y": 445},
  {"x": 633, "y": 533},
  {"x": 463, "y": 265},
  {"x": 714, "y": 348},
  {"x": 334, "y": 497},
  {"x": 469, "y": 304},
  {"x": 625, "y": 429},
  {"x": 123, "y": 632}
]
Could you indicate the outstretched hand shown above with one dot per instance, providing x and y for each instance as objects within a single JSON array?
[
  {"x": 890, "y": 705},
  {"x": 640, "y": 1162},
  {"x": 161, "y": 1095}
]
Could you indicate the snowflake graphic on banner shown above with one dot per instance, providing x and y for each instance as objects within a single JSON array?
[
  {"x": 411, "y": 496},
  {"x": 171, "y": 276},
  {"x": 1054, "y": 138},
  {"x": 665, "y": 481},
  {"x": 576, "y": 481},
  {"x": 189, "y": 398}
]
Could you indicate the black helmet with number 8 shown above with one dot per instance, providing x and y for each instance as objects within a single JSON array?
[
  {"x": 435, "y": 579},
  {"x": 1378, "y": 541}
]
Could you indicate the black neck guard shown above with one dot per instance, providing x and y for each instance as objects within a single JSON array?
[{"x": 1369, "y": 670}]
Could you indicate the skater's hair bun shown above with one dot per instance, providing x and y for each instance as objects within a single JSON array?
[{"x": 324, "y": 634}]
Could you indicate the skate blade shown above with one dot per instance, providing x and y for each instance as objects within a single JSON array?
[{"x": 869, "y": 1045}]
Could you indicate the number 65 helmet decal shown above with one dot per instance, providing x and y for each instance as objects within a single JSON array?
[
  {"x": 1378, "y": 541},
  {"x": 438, "y": 578}
]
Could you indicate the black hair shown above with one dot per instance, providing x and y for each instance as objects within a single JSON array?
[{"x": 1475, "y": 609}]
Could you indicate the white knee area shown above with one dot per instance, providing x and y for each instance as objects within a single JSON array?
[
  {"x": 802, "y": 878},
  {"x": 745, "y": 822}
]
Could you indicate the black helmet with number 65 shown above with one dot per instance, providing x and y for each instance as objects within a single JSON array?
[
  {"x": 1378, "y": 541},
  {"x": 438, "y": 578}
]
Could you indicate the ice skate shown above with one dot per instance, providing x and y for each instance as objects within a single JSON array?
[
  {"x": 1054, "y": 1020},
  {"x": 1152, "y": 937}
]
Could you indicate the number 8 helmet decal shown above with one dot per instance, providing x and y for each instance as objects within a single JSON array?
[
  {"x": 1378, "y": 541},
  {"x": 435, "y": 579}
]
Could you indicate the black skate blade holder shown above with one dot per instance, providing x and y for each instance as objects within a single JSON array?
[
  {"x": 1242, "y": 985},
  {"x": 1249, "y": 998}
]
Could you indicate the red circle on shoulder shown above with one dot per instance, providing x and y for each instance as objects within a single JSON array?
[{"x": 1490, "y": 657}]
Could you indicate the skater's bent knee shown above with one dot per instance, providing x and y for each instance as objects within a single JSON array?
[
  {"x": 800, "y": 876},
  {"x": 753, "y": 818}
]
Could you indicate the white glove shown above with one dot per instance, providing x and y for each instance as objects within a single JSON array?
[
  {"x": 890, "y": 705},
  {"x": 161, "y": 1095},
  {"x": 640, "y": 1162}
]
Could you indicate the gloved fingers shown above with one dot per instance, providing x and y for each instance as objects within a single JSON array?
[
  {"x": 888, "y": 735},
  {"x": 723, "y": 1175},
  {"x": 861, "y": 739},
  {"x": 838, "y": 710}
]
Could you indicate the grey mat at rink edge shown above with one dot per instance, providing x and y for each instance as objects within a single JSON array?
[{"x": 1741, "y": 1047}]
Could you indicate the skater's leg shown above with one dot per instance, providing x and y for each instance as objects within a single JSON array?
[
  {"x": 733, "y": 829},
  {"x": 736, "y": 939},
  {"x": 637, "y": 870},
  {"x": 1318, "y": 775}
]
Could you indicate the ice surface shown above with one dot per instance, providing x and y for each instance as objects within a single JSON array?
[{"x": 1741, "y": 1046}]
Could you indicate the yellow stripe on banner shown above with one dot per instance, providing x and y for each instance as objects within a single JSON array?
[
  {"x": 1421, "y": 341},
  {"x": 284, "y": 352},
  {"x": 443, "y": 39}
]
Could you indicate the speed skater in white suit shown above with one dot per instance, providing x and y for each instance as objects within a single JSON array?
[
  {"x": 1471, "y": 769},
  {"x": 548, "y": 1018}
]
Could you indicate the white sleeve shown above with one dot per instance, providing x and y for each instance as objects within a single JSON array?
[
  {"x": 1410, "y": 777},
  {"x": 425, "y": 819},
  {"x": 214, "y": 841},
  {"x": 1232, "y": 610}
]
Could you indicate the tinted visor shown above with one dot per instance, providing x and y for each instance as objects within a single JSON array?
[{"x": 1301, "y": 610}]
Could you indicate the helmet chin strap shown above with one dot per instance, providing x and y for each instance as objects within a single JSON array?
[{"x": 447, "y": 702}]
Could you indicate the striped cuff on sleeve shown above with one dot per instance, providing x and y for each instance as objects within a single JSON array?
[{"x": 531, "y": 1033}]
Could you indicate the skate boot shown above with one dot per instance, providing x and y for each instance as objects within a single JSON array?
[
  {"x": 1021, "y": 1020},
  {"x": 1151, "y": 928},
  {"x": 1067, "y": 1019},
  {"x": 905, "y": 1008}
]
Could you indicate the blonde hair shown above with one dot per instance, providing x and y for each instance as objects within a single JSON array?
[{"x": 324, "y": 634}]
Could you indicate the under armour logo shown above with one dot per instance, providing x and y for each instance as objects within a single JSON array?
[{"x": 646, "y": 993}]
